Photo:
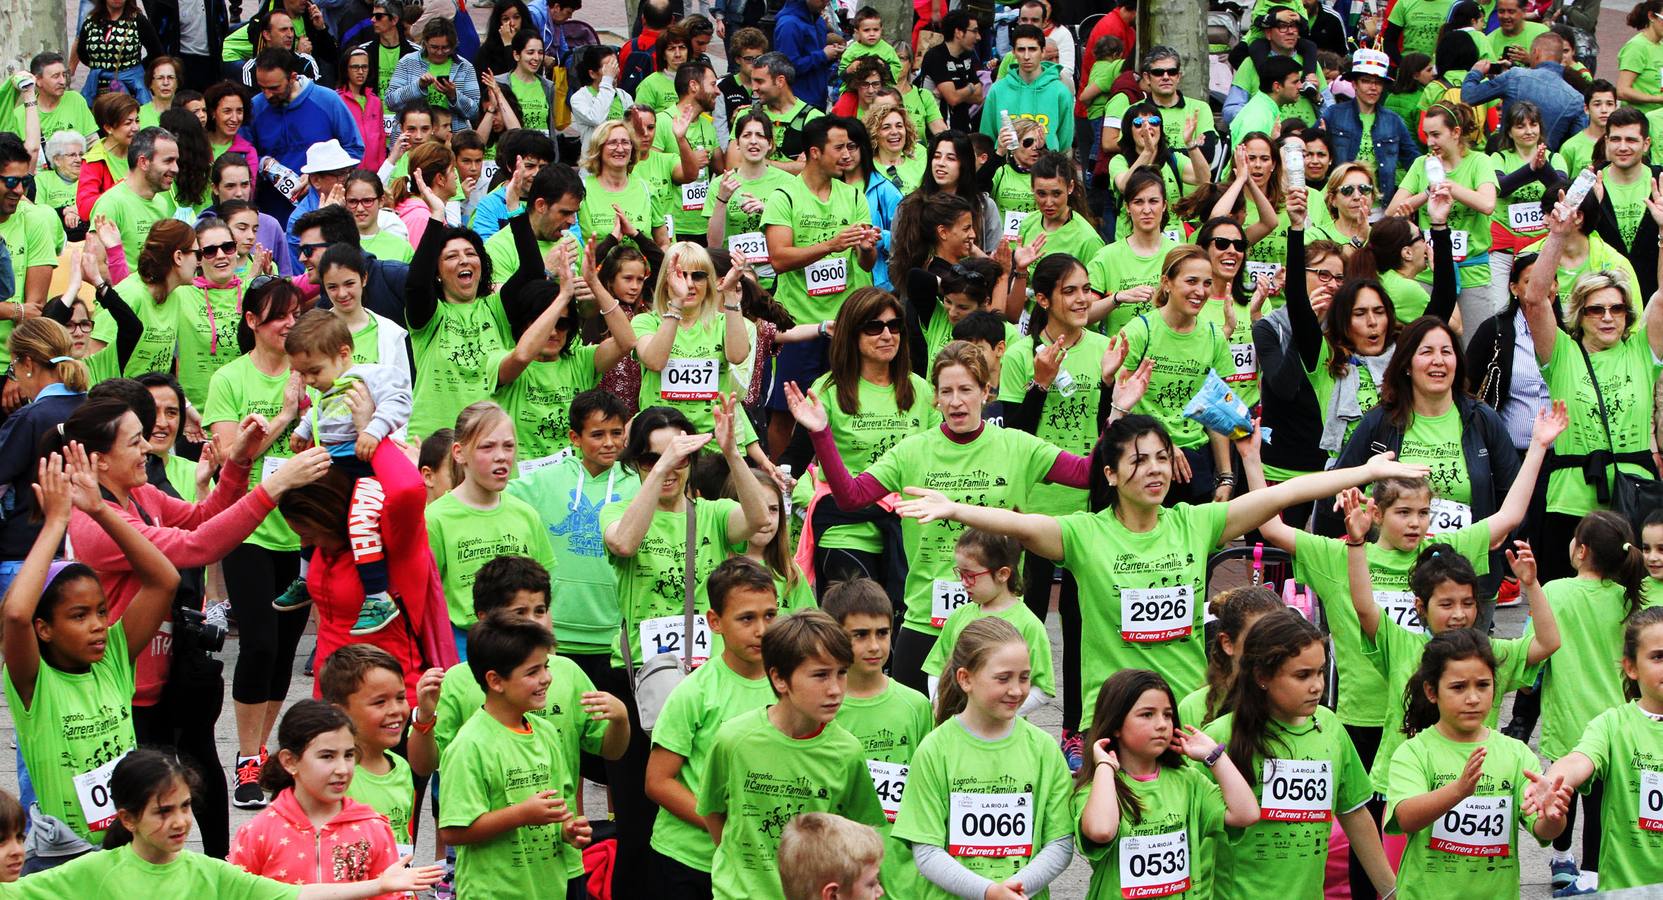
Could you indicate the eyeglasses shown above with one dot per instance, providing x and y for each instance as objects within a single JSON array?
[
  {"x": 872, "y": 84},
  {"x": 226, "y": 249},
  {"x": 875, "y": 327},
  {"x": 309, "y": 249},
  {"x": 968, "y": 577},
  {"x": 618, "y": 142},
  {"x": 1603, "y": 312},
  {"x": 1169, "y": 71},
  {"x": 81, "y": 325},
  {"x": 358, "y": 67},
  {"x": 1326, "y": 277},
  {"x": 748, "y": 59},
  {"x": 1146, "y": 120},
  {"x": 362, "y": 201},
  {"x": 1223, "y": 243},
  {"x": 13, "y": 181},
  {"x": 1348, "y": 190}
]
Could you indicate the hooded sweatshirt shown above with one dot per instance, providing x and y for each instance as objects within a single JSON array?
[
  {"x": 801, "y": 36},
  {"x": 280, "y": 844},
  {"x": 315, "y": 115},
  {"x": 1045, "y": 98}
]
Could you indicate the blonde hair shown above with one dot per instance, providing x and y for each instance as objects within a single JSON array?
[
  {"x": 1331, "y": 194},
  {"x": 477, "y": 420},
  {"x": 962, "y": 353},
  {"x": 818, "y": 849},
  {"x": 1024, "y": 125},
  {"x": 1176, "y": 257},
  {"x": 691, "y": 258},
  {"x": 874, "y": 118},
  {"x": 597, "y": 139},
  {"x": 430, "y": 157},
  {"x": 976, "y": 643},
  {"x": 1590, "y": 283},
  {"x": 41, "y": 340}
]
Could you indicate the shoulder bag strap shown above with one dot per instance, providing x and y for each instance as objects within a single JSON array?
[
  {"x": 689, "y": 585},
  {"x": 1600, "y": 398}
]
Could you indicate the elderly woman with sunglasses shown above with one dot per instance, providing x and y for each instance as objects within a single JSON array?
[{"x": 1349, "y": 198}]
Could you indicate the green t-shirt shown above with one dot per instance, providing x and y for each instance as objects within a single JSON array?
[
  {"x": 1076, "y": 237},
  {"x": 1173, "y": 118},
  {"x": 505, "y": 260},
  {"x": 816, "y": 292},
  {"x": 1192, "y": 709},
  {"x": 207, "y": 334},
  {"x": 489, "y": 767},
  {"x": 922, "y": 108},
  {"x": 540, "y": 399},
  {"x": 1182, "y": 361},
  {"x": 71, "y": 114},
  {"x": 1435, "y": 442},
  {"x": 463, "y": 539},
  {"x": 1020, "y": 778},
  {"x": 155, "y": 350},
  {"x": 1013, "y": 193},
  {"x": 998, "y": 468},
  {"x": 1409, "y": 297},
  {"x": 1644, "y": 58},
  {"x": 1259, "y": 115},
  {"x": 907, "y": 174},
  {"x": 584, "y": 590},
  {"x": 1069, "y": 416},
  {"x": 386, "y": 245},
  {"x": 687, "y": 727},
  {"x": 658, "y": 171},
  {"x": 1469, "y": 230},
  {"x": 1247, "y": 78},
  {"x": 122, "y": 873},
  {"x": 1582, "y": 678},
  {"x": 51, "y": 191},
  {"x": 595, "y": 216},
  {"x": 1365, "y": 147},
  {"x": 387, "y": 60},
  {"x": 650, "y": 583},
  {"x": 1181, "y": 827},
  {"x": 1626, "y": 747},
  {"x": 882, "y": 50},
  {"x": 1322, "y": 381},
  {"x": 890, "y": 726},
  {"x": 1627, "y": 374},
  {"x": 1268, "y": 256},
  {"x": 698, "y": 367},
  {"x": 436, "y": 97},
  {"x": 1313, "y": 776},
  {"x": 534, "y": 104},
  {"x": 868, "y": 433},
  {"x": 75, "y": 726},
  {"x": 32, "y": 241},
  {"x": 688, "y": 201},
  {"x": 1018, "y": 615},
  {"x": 1420, "y": 21},
  {"x": 1320, "y": 563},
  {"x": 133, "y": 215},
  {"x": 1577, "y": 153},
  {"x": 758, "y": 777},
  {"x": 1520, "y": 212},
  {"x": 1176, "y": 189},
  {"x": 1103, "y": 73},
  {"x": 1145, "y": 586},
  {"x": 1396, "y": 654},
  {"x": 1244, "y": 356},
  {"x": 743, "y": 230},
  {"x": 450, "y": 355},
  {"x": 1471, "y": 851},
  {"x": 658, "y": 91},
  {"x": 236, "y": 390},
  {"x": 1117, "y": 267},
  {"x": 1628, "y": 201},
  {"x": 1499, "y": 42},
  {"x": 392, "y": 795}
]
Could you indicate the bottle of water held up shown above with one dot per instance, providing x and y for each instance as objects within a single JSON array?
[
  {"x": 1580, "y": 188},
  {"x": 1293, "y": 163},
  {"x": 1435, "y": 174},
  {"x": 1005, "y": 126}
]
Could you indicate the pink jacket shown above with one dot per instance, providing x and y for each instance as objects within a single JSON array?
[
  {"x": 188, "y": 534},
  {"x": 280, "y": 844},
  {"x": 415, "y": 215},
  {"x": 240, "y": 144},
  {"x": 368, "y": 115}
]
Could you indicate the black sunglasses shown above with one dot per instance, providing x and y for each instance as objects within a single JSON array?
[
  {"x": 225, "y": 249},
  {"x": 261, "y": 281},
  {"x": 1223, "y": 243},
  {"x": 699, "y": 276},
  {"x": 875, "y": 327},
  {"x": 1156, "y": 73},
  {"x": 1030, "y": 143},
  {"x": 12, "y": 181},
  {"x": 309, "y": 249}
]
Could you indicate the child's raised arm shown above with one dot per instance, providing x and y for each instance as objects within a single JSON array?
[
  {"x": 17, "y": 640},
  {"x": 1359, "y": 515},
  {"x": 1100, "y": 819},
  {"x": 1544, "y": 638},
  {"x": 401, "y": 878}
]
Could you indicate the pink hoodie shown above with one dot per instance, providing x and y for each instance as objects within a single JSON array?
[
  {"x": 368, "y": 115},
  {"x": 280, "y": 844}
]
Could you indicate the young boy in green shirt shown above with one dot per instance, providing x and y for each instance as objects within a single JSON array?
[
  {"x": 367, "y": 683},
  {"x": 821, "y": 850},
  {"x": 506, "y": 782},
  {"x": 743, "y": 604},
  {"x": 772, "y": 764},
  {"x": 869, "y": 42},
  {"x": 887, "y": 717}
]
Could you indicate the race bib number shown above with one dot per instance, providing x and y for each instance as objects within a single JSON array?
[
  {"x": 1246, "y": 358},
  {"x": 1457, "y": 242},
  {"x": 946, "y": 595},
  {"x": 992, "y": 825},
  {"x": 890, "y": 781},
  {"x": 828, "y": 276},
  {"x": 664, "y": 635},
  {"x": 691, "y": 379},
  {"x": 528, "y": 466},
  {"x": 1651, "y": 800},
  {"x": 1151, "y": 615},
  {"x": 751, "y": 246},
  {"x": 1478, "y": 826},
  {"x": 1013, "y": 223},
  {"x": 270, "y": 464},
  {"x": 92, "y": 789},
  {"x": 1523, "y": 217},
  {"x": 1259, "y": 271},
  {"x": 1447, "y": 515},
  {"x": 693, "y": 195},
  {"x": 1399, "y": 606},
  {"x": 285, "y": 181},
  {"x": 1155, "y": 865},
  {"x": 389, "y": 121},
  {"x": 488, "y": 171},
  {"x": 1297, "y": 790}
]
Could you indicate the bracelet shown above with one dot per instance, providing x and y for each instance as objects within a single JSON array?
[
  {"x": 1220, "y": 480},
  {"x": 823, "y": 329},
  {"x": 607, "y": 312},
  {"x": 1389, "y": 894},
  {"x": 731, "y": 307},
  {"x": 722, "y": 199},
  {"x": 423, "y": 727},
  {"x": 1351, "y": 543},
  {"x": 671, "y": 315},
  {"x": 1124, "y": 412},
  {"x": 1213, "y": 757}
]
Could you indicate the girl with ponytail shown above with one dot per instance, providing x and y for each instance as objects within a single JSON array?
[
  {"x": 1235, "y": 611},
  {"x": 53, "y": 386},
  {"x": 1300, "y": 763},
  {"x": 1140, "y": 798}
]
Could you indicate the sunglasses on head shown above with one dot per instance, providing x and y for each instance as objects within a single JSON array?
[
  {"x": 1223, "y": 243},
  {"x": 875, "y": 327},
  {"x": 1347, "y": 190},
  {"x": 225, "y": 249}
]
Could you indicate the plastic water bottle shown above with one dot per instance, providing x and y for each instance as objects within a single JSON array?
[
  {"x": 1435, "y": 174},
  {"x": 1293, "y": 163},
  {"x": 786, "y": 501},
  {"x": 1005, "y": 126},
  {"x": 1580, "y": 188}
]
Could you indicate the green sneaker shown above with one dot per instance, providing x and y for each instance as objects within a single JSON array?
[
  {"x": 376, "y": 614},
  {"x": 294, "y": 597}
]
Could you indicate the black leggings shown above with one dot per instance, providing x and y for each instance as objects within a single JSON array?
[
  {"x": 598, "y": 666},
  {"x": 1591, "y": 803},
  {"x": 1366, "y": 739},
  {"x": 906, "y": 664},
  {"x": 254, "y": 576},
  {"x": 834, "y": 564},
  {"x": 190, "y": 731},
  {"x": 632, "y": 810},
  {"x": 1037, "y": 572},
  {"x": 1554, "y": 556}
]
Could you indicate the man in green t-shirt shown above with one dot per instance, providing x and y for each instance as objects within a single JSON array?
[
  {"x": 1627, "y": 185},
  {"x": 1160, "y": 80},
  {"x": 31, "y": 242},
  {"x": 551, "y": 205},
  {"x": 771, "y": 77},
  {"x": 1279, "y": 83},
  {"x": 1511, "y": 40},
  {"x": 60, "y": 108},
  {"x": 145, "y": 195},
  {"x": 696, "y": 93}
]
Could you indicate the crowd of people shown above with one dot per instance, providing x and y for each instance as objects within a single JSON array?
[{"x": 721, "y": 435}]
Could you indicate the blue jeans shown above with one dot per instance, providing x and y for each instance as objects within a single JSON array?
[{"x": 131, "y": 80}]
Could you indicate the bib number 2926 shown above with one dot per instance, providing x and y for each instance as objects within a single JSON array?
[{"x": 1152, "y": 615}]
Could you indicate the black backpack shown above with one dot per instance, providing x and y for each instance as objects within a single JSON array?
[{"x": 635, "y": 63}]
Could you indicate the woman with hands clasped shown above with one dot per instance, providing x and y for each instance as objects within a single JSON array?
[
  {"x": 736, "y": 212},
  {"x": 1606, "y": 342}
]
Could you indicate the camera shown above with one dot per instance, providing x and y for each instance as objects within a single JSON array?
[{"x": 193, "y": 632}]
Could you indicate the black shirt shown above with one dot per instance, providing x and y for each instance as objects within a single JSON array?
[{"x": 942, "y": 67}]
